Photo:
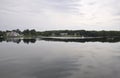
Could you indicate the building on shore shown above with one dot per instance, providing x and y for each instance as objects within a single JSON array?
[
  {"x": 63, "y": 34},
  {"x": 12, "y": 34}
]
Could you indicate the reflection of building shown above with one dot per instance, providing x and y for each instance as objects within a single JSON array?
[
  {"x": 13, "y": 40},
  {"x": 12, "y": 34},
  {"x": 63, "y": 34}
]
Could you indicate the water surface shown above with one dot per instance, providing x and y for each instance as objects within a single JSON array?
[{"x": 54, "y": 59}]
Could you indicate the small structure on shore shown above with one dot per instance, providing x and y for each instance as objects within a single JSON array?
[
  {"x": 12, "y": 34},
  {"x": 64, "y": 34}
]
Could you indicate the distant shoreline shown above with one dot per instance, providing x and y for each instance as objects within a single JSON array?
[{"x": 58, "y": 33}]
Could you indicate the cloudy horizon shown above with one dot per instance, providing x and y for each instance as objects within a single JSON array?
[{"x": 60, "y": 14}]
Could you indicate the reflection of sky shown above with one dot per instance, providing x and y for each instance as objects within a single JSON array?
[{"x": 45, "y": 59}]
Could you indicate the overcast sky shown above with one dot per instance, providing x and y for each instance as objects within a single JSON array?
[{"x": 60, "y": 14}]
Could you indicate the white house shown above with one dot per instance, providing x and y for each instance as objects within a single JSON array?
[
  {"x": 12, "y": 34},
  {"x": 63, "y": 34}
]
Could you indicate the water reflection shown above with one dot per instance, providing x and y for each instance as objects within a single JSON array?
[
  {"x": 103, "y": 39},
  {"x": 13, "y": 40},
  {"x": 27, "y": 41},
  {"x": 58, "y": 60},
  {"x": 17, "y": 40},
  {"x": 57, "y": 69}
]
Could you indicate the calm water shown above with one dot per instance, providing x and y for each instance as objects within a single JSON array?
[{"x": 54, "y": 59}]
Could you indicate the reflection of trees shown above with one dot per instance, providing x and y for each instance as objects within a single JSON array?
[
  {"x": 102, "y": 39},
  {"x": 29, "y": 41},
  {"x": 1, "y": 39},
  {"x": 15, "y": 40},
  {"x": 33, "y": 40},
  {"x": 18, "y": 41}
]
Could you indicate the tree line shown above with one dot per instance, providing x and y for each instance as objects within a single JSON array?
[{"x": 77, "y": 33}]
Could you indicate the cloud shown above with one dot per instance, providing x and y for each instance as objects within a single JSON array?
[
  {"x": 60, "y": 13},
  {"x": 39, "y": 6},
  {"x": 65, "y": 5}
]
